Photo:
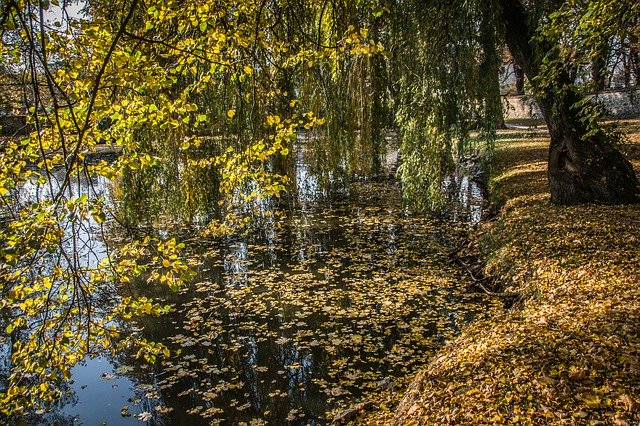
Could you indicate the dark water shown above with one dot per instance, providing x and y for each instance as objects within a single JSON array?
[{"x": 339, "y": 300}]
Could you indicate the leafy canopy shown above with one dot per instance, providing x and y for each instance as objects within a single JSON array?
[{"x": 213, "y": 94}]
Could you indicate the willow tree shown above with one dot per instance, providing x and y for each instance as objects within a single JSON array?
[
  {"x": 222, "y": 89},
  {"x": 584, "y": 164},
  {"x": 450, "y": 55}
]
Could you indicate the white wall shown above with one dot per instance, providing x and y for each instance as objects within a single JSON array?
[{"x": 617, "y": 104}]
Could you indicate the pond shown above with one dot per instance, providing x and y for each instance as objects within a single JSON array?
[{"x": 339, "y": 300}]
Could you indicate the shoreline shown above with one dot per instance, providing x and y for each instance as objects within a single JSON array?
[{"x": 569, "y": 352}]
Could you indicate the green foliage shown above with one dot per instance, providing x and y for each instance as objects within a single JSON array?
[
  {"x": 204, "y": 101},
  {"x": 447, "y": 88},
  {"x": 574, "y": 36},
  {"x": 187, "y": 93},
  {"x": 580, "y": 30}
]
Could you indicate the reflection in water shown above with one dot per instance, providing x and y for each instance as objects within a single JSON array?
[
  {"x": 306, "y": 183},
  {"x": 465, "y": 199},
  {"x": 344, "y": 297},
  {"x": 92, "y": 381},
  {"x": 89, "y": 247},
  {"x": 348, "y": 295}
]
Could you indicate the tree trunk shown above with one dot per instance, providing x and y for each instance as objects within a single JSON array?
[
  {"x": 585, "y": 169},
  {"x": 635, "y": 59},
  {"x": 519, "y": 75},
  {"x": 598, "y": 70},
  {"x": 583, "y": 166}
]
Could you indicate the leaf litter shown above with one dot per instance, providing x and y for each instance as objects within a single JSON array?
[{"x": 570, "y": 352}]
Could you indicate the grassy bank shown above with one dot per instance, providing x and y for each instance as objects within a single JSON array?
[{"x": 569, "y": 352}]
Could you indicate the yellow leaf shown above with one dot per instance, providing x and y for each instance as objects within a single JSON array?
[{"x": 592, "y": 401}]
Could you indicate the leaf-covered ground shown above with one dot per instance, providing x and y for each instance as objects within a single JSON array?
[{"x": 569, "y": 352}]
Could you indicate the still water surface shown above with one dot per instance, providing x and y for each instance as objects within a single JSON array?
[{"x": 337, "y": 302}]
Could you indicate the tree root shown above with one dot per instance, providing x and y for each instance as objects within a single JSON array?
[{"x": 479, "y": 279}]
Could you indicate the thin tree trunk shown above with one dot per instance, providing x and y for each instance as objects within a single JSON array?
[
  {"x": 583, "y": 167},
  {"x": 598, "y": 70},
  {"x": 627, "y": 60},
  {"x": 635, "y": 58},
  {"x": 519, "y": 75}
]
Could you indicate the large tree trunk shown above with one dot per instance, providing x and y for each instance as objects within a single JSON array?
[
  {"x": 583, "y": 166},
  {"x": 585, "y": 169}
]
